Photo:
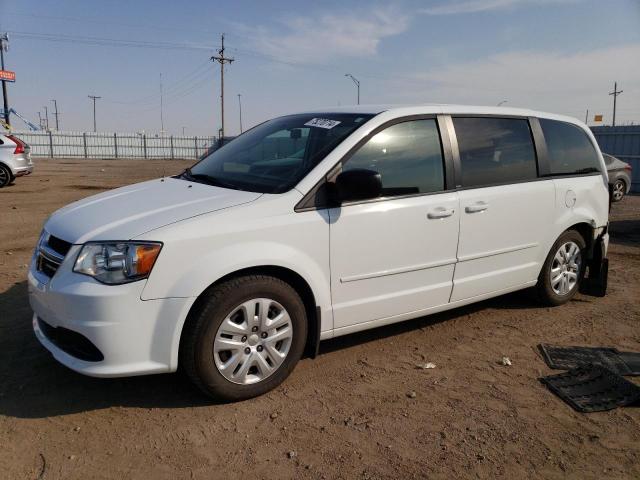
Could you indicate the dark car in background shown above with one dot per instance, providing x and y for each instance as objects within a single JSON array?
[{"x": 619, "y": 176}]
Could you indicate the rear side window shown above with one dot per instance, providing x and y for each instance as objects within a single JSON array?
[
  {"x": 570, "y": 149},
  {"x": 495, "y": 150},
  {"x": 408, "y": 157}
]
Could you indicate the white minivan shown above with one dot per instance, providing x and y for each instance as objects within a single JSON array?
[{"x": 315, "y": 225}]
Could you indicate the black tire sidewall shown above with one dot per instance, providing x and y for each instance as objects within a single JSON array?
[
  {"x": 9, "y": 176},
  {"x": 216, "y": 309},
  {"x": 545, "y": 291}
]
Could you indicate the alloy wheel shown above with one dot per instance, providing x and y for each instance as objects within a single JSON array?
[
  {"x": 253, "y": 341},
  {"x": 618, "y": 190},
  {"x": 565, "y": 268}
]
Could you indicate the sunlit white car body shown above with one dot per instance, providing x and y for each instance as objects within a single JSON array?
[{"x": 351, "y": 258}]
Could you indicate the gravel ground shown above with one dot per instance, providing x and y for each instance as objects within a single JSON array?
[{"x": 362, "y": 409}]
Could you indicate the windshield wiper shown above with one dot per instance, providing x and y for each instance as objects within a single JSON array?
[{"x": 207, "y": 179}]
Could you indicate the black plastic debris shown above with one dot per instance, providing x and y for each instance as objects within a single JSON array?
[
  {"x": 593, "y": 388},
  {"x": 567, "y": 358}
]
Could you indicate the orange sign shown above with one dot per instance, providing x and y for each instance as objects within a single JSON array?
[
  {"x": 7, "y": 76},
  {"x": 597, "y": 118}
]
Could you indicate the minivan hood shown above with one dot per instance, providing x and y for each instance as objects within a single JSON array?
[{"x": 127, "y": 212}]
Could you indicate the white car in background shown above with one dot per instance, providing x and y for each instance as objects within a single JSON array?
[
  {"x": 15, "y": 159},
  {"x": 316, "y": 225}
]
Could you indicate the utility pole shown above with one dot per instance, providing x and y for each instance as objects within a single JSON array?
[
  {"x": 94, "y": 98},
  {"x": 40, "y": 120},
  {"x": 161, "y": 112},
  {"x": 615, "y": 93},
  {"x": 357, "y": 82},
  {"x": 46, "y": 117},
  {"x": 240, "y": 107},
  {"x": 183, "y": 131},
  {"x": 222, "y": 60},
  {"x": 55, "y": 104},
  {"x": 4, "y": 46}
]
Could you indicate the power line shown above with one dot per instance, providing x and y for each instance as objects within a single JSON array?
[
  {"x": 175, "y": 87},
  {"x": 109, "y": 41}
]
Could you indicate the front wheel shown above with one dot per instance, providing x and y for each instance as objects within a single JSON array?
[
  {"x": 244, "y": 338},
  {"x": 618, "y": 191},
  {"x": 563, "y": 269}
]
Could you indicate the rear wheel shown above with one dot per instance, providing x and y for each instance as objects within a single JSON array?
[
  {"x": 244, "y": 338},
  {"x": 563, "y": 269},
  {"x": 5, "y": 176},
  {"x": 619, "y": 190}
]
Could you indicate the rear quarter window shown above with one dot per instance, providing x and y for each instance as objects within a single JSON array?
[{"x": 570, "y": 149}]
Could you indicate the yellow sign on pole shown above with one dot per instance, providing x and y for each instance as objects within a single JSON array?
[{"x": 597, "y": 118}]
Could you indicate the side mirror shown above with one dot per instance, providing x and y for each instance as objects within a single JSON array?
[{"x": 358, "y": 184}]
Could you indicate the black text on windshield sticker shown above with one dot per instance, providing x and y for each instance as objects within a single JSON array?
[{"x": 322, "y": 123}]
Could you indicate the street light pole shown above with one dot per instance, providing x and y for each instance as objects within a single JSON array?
[
  {"x": 357, "y": 82},
  {"x": 240, "y": 107}
]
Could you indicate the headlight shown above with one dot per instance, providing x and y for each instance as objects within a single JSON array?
[{"x": 115, "y": 263}]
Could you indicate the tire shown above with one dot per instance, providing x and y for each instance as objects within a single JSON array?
[
  {"x": 619, "y": 190},
  {"x": 554, "y": 293},
  {"x": 224, "y": 357},
  {"x": 5, "y": 176}
]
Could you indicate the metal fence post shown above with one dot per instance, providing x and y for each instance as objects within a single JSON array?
[
  {"x": 115, "y": 144},
  {"x": 84, "y": 144},
  {"x": 195, "y": 142},
  {"x": 50, "y": 144},
  {"x": 171, "y": 141},
  {"x": 144, "y": 144}
]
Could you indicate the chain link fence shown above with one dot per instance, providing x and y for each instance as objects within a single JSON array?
[{"x": 115, "y": 145}]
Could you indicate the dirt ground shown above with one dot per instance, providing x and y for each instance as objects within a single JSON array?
[{"x": 346, "y": 414}]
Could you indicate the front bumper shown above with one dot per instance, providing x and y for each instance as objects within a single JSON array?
[{"x": 133, "y": 336}]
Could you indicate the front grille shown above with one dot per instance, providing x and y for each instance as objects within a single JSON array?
[
  {"x": 50, "y": 254},
  {"x": 47, "y": 266},
  {"x": 58, "y": 245},
  {"x": 73, "y": 343}
]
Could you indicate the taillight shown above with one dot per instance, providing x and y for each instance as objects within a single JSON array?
[
  {"x": 627, "y": 167},
  {"x": 19, "y": 144}
]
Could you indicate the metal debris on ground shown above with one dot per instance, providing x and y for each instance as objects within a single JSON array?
[{"x": 424, "y": 366}]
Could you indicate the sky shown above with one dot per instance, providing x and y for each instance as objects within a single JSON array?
[{"x": 560, "y": 56}]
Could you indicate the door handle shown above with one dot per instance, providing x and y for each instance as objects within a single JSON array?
[
  {"x": 440, "y": 212},
  {"x": 478, "y": 207}
]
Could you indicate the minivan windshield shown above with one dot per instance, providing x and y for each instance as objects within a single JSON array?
[{"x": 275, "y": 155}]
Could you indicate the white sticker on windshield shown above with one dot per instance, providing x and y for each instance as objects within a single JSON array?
[{"x": 322, "y": 123}]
